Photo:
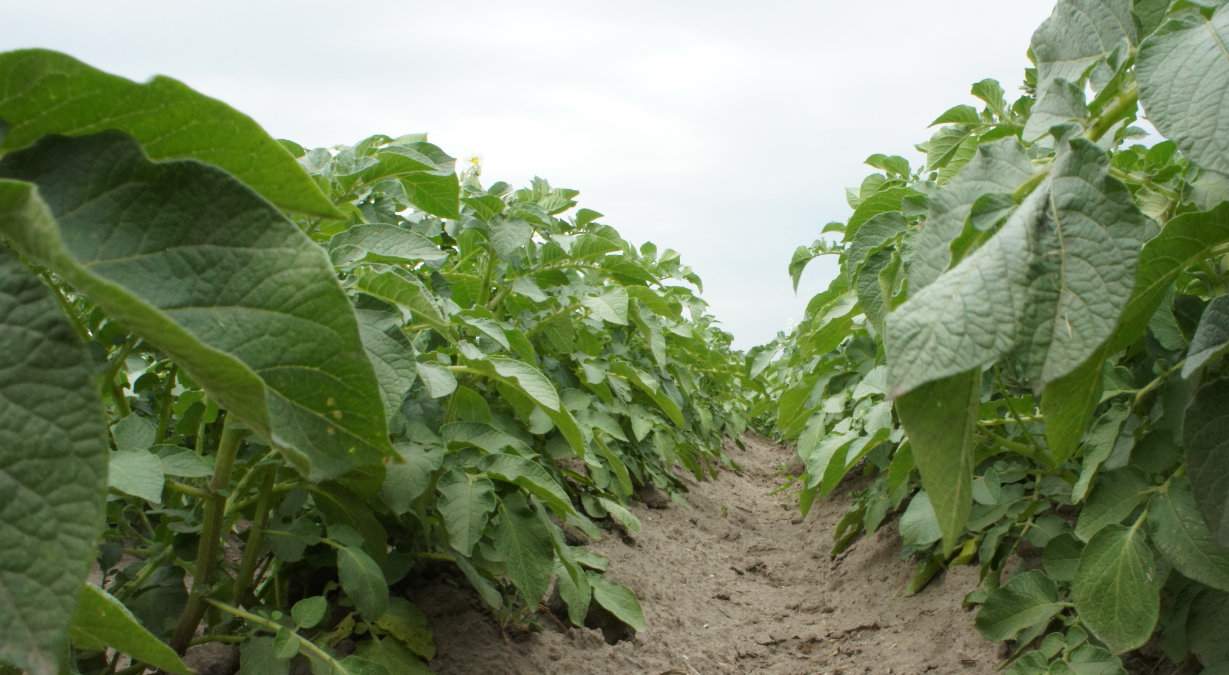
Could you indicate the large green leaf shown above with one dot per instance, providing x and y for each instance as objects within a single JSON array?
[
  {"x": 1079, "y": 34},
  {"x": 385, "y": 244},
  {"x": 210, "y": 273},
  {"x": 426, "y": 172},
  {"x": 521, "y": 536},
  {"x": 530, "y": 476},
  {"x": 1206, "y": 438},
  {"x": 44, "y": 92},
  {"x": 1048, "y": 287},
  {"x": 1182, "y": 537},
  {"x": 101, "y": 621},
  {"x": 1117, "y": 588},
  {"x": 997, "y": 168},
  {"x": 466, "y": 503},
  {"x": 1026, "y": 600},
  {"x": 53, "y": 467},
  {"x": 1068, "y": 405},
  {"x": 940, "y": 417},
  {"x": 1183, "y": 77}
]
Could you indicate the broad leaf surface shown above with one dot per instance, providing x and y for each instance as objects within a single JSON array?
[
  {"x": 521, "y": 536},
  {"x": 1182, "y": 537},
  {"x": 44, "y": 92},
  {"x": 1049, "y": 287},
  {"x": 53, "y": 464},
  {"x": 466, "y": 502},
  {"x": 101, "y": 621},
  {"x": 1026, "y": 600},
  {"x": 1116, "y": 588},
  {"x": 1211, "y": 338},
  {"x": 1206, "y": 438},
  {"x": 216, "y": 278}
]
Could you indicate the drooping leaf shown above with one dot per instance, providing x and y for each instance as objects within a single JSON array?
[
  {"x": 610, "y": 306},
  {"x": 1116, "y": 589},
  {"x": 309, "y": 612},
  {"x": 1068, "y": 404},
  {"x": 528, "y": 379},
  {"x": 53, "y": 467},
  {"x": 1027, "y": 599},
  {"x": 392, "y": 362},
  {"x": 531, "y": 477},
  {"x": 940, "y": 417},
  {"x": 45, "y": 92},
  {"x": 216, "y": 278},
  {"x": 618, "y": 600},
  {"x": 101, "y": 621},
  {"x": 1182, "y": 537},
  {"x": 521, "y": 536},
  {"x": 466, "y": 502},
  {"x": 1049, "y": 287},
  {"x": 1183, "y": 75},
  {"x": 1206, "y": 438},
  {"x": 438, "y": 379}
]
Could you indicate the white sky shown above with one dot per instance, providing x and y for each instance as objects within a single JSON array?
[{"x": 725, "y": 130}]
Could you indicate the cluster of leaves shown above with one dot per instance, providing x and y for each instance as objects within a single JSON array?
[
  {"x": 259, "y": 390},
  {"x": 1022, "y": 349}
]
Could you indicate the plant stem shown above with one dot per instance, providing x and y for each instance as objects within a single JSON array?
[
  {"x": 274, "y": 627},
  {"x": 211, "y": 536},
  {"x": 164, "y": 411},
  {"x": 1156, "y": 383},
  {"x": 251, "y": 547},
  {"x": 484, "y": 293},
  {"x": 1123, "y": 105}
]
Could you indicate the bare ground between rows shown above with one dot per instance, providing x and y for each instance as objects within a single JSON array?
[{"x": 734, "y": 581}]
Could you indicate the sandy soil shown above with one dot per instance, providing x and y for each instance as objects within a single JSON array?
[{"x": 734, "y": 581}]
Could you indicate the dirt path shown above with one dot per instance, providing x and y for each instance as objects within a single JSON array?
[{"x": 734, "y": 582}]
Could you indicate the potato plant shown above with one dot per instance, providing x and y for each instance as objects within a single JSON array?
[
  {"x": 1023, "y": 347},
  {"x": 252, "y": 392}
]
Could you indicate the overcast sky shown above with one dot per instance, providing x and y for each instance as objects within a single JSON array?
[{"x": 725, "y": 130}]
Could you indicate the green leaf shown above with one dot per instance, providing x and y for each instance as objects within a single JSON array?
[
  {"x": 528, "y": 379},
  {"x": 940, "y": 417},
  {"x": 101, "y": 621},
  {"x": 438, "y": 379},
  {"x": 1206, "y": 438},
  {"x": 997, "y": 168},
  {"x": 213, "y": 276},
  {"x": 466, "y": 503},
  {"x": 1183, "y": 75},
  {"x": 621, "y": 515},
  {"x": 362, "y": 580},
  {"x": 1184, "y": 241},
  {"x": 1068, "y": 404},
  {"x": 383, "y": 244},
  {"x": 138, "y": 473},
  {"x": 1182, "y": 537},
  {"x": 918, "y": 525},
  {"x": 530, "y": 476},
  {"x": 610, "y": 306},
  {"x": 1061, "y": 102},
  {"x": 1028, "y": 599},
  {"x": 1117, "y": 494},
  {"x": 427, "y": 174},
  {"x": 1117, "y": 588},
  {"x": 53, "y": 468},
  {"x": 405, "y": 292},
  {"x": 618, "y": 600},
  {"x": 1211, "y": 338},
  {"x": 392, "y": 362},
  {"x": 406, "y": 481},
  {"x": 309, "y": 612},
  {"x": 183, "y": 463},
  {"x": 522, "y": 537},
  {"x": 257, "y": 656},
  {"x": 406, "y": 622},
  {"x": 884, "y": 201},
  {"x": 960, "y": 114},
  {"x": 45, "y": 92},
  {"x": 1078, "y": 35},
  {"x": 574, "y": 589},
  {"x": 396, "y": 659},
  {"x": 1048, "y": 288}
]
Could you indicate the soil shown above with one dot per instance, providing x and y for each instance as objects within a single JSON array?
[{"x": 733, "y": 581}]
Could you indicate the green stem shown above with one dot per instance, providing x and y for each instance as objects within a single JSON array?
[
  {"x": 1124, "y": 104},
  {"x": 1156, "y": 383},
  {"x": 1026, "y": 188},
  {"x": 151, "y": 565},
  {"x": 66, "y": 306},
  {"x": 190, "y": 490},
  {"x": 164, "y": 411},
  {"x": 252, "y": 547},
  {"x": 484, "y": 293},
  {"x": 211, "y": 536},
  {"x": 274, "y": 627}
]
